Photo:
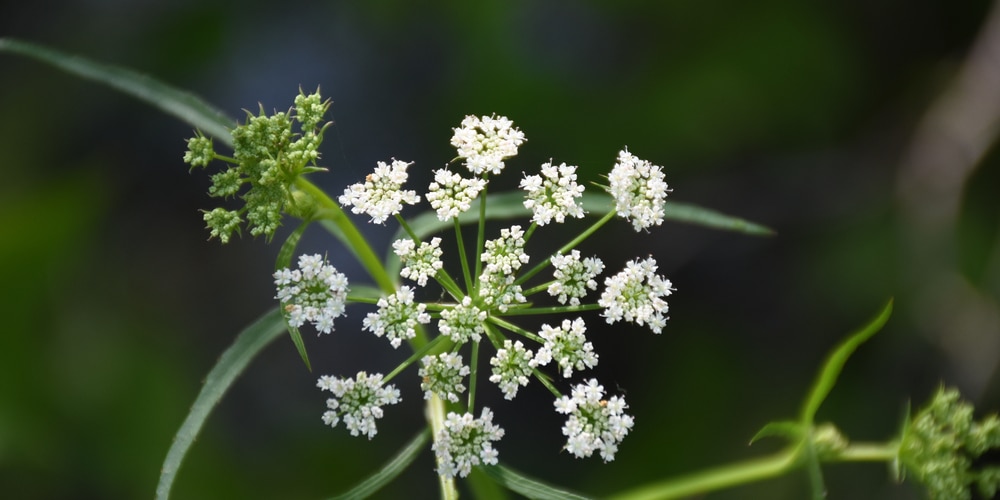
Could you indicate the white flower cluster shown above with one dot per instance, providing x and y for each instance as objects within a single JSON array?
[
  {"x": 511, "y": 367},
  {"x": 451, "y": 194},
  {"x": 357, "y": 401},
  {"x": 553, "y": 194},
  {"x": 594, "y": 424},
  {"x": 421, "y": 262},
  {"x": 636, "y": 295},
  {"x": 499, "y": 291},
  {"x": 381, "y": 195},
  {"x": 638, "y": 189},
  {"x": 463, "y": 322},
  {"x": 505, "y": 255},
  {"x": 574, "y": 276},
  {"x": 568, "y": 345},
  {"x": 465, "y": 442},
  {"x": 485, "y": 141},
  {"x": 315, "y": 292},
  {"x": 397, "y": 317},
  {"x": 442, "y": 375}
]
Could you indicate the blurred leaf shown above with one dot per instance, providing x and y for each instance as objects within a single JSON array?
[
  {"x": 786, "y": 429},
  {"x": 230, "y": 365},
  {"x": 527, "y": 486},
  {"x": 390, "y": 471},
  {"x": 190, "y": 108},
  {"x": 978, "y": 225}
]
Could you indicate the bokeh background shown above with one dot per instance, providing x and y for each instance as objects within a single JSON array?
[{"x": 861, "y": 132}]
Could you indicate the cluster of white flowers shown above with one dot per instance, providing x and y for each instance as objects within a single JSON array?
[
  {"x": 567, "y": 345},
  {"x": 463, "y": 322},
  {"x": 574, "y": 276},
  {"x": 553, "y": 194},
  {"x": 485, "y": 141},
  {"x": 442, "y": 375},
  {"x": 315, "y": 292},
  {"x": 451, "y": 194},
  {"x": 498, "y": 290},
  {"x": 638, "y": 189},
  {"x": 636, "y": 295},
  {"x": 511, "y": 367},
  {"x": 594, "y": 424},
  {"x": 505, "y": 255},
  {"x": 357, "y": 401},
  {"x": 381, "y": 195},
  {"x": 465, "y": 442},
  {"x": 397, "y": 317},
  {"x": 421, "y": 261}
]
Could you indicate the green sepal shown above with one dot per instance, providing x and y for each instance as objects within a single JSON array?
[
  {"x": 390, "y": 470},
  {"x": 283, "y": 261},
  {"x": 788, "y": 429}
]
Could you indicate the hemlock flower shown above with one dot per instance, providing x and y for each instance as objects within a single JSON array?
[
  {"x": 636, "y": 295},
  {"x": 498, "y": 290},
  {"x": 463, "y": 322},
  {"x": 567, "y": 345},
  {"x": 553, "y": 194},
  {"x": 200, "y": 152},
  {"x": 451, "y": 194},
  {"x": 505, "y": 254},
  {"x": 397, "y": 317},
  {"x": 358, "y": 401},
  {"x": 465, "y": 442},
  {"x": 638, "y": 189},
  {"x": 421, "y": 262},
  {"x": 573, "y": 276},
  {"x": 594, "y": 424},
  {"x": 381, "y": 195},
  {"x": 442, "y": 375},
  {"x": 511, "y": 367},
  {"x": 315, "y": 292},
  {"x": 485, "y": 141}
]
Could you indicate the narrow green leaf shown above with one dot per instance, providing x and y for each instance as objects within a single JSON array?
[
  {"x": 529, "y": 487},
  {"x": 232, "y": 363},
  {"x": 693, "y": 214},
  {"x": 284, "y": 261},
  {"x": 188, "y": 107},
  {"x": 835, "y": 363},
  {"x": 483, "y": 486},
  {"x": 788, "y": 429},
  {"x": 387, "y": 473}
]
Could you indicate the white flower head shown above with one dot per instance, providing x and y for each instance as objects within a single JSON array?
[
  {"x": 485, "y": 141},
  {"x": 421, "y": 261},
  {"x": 451, "y": 194},
  {"x": 594, "y": 424},
  {"x": 638, "y": 189},
  {"x": 442, "y": 375},
  {"x": 573, "y": 277},
  {"x": 499, "y": 291},
  {"x": 511, "y": 367},
  {"x": 358, "y": 401},
  {"x": 314, "y": 293},
  {"x": 463, "y": 322},
  {"x": 505, "y": 254},
  {"x": 465, "y": 442},
  {"x": 636, "y": 295},
  {"x": 553, "y": 194},
  {"x": 381, "y": 195},
  {"x": 567, "y": 345},
  {"x": 397, "y": 317}
]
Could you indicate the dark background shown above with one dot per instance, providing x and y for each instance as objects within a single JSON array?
[{"x": 859, "y": 131}]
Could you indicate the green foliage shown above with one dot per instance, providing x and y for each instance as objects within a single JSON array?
[{"x": 941, "y": 443}]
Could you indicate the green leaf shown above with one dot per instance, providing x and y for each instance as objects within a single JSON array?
[
  {"x": 390, "y": 471},
  {"x": 835, "y": 363},
  {"x": 232, "y": 363},
  {"x": 693, "y": 214},
  {"x": 283, "y": 261},
  {"x": 787, "y": 429},
  {"x": 529, "y": 487},
  {"x": 188, "y": 107}
]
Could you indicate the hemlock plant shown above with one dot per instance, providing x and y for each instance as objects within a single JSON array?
[{"x": 449, "y": 322}]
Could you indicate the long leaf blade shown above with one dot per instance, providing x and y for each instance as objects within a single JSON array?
[
  {"x": 390, "y": 471},
  {"x": 529, "y": 487},
  {"x": 188, "y": 107},
  {"x": 230, "y": 365}
]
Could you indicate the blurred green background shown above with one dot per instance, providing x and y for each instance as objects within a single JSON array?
[{"x": 860, "y": 131}]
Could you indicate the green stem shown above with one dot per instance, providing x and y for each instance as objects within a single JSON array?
[
  {"x": 569, "y": 246},
  {"x": 435, "y": 414},
  {"x": 461, "y": 255},
  {"x": 516, "y": 329},
  {"x": 473, "y": 375},
  {"x": 480, "y": 237},
  {"x": 552, "y": 310}
]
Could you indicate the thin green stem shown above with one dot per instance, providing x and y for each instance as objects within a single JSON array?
[
  {"x": 516, "y": 329},
  {"x": 540, "y": 288},
  {"x": 461, "y": 255},
  {"x": 481, "y": 235},
  {"x": 417, "y": 354},
  {"x": 435, "y": 414},
  {"x": 869, "y": 452},
  {"x": 473, "y": 375},
  {"x": 552, "y": 310},
  {"x": 569, "y": 246}
]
